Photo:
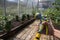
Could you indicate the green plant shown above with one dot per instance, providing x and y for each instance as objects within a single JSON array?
[
  {"x": 5, "y": 18},
  {"x": 17, "y": 18},
  {"x": 28, "y": 16},
  {"x": 23, "y": 17},
  {"x": 1, "y": 28},
  {"x": 33, "y": 13},
  {"x": 8, "y": 26},
  {"x": 54, "y": 13}
]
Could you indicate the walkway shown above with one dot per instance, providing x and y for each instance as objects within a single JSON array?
[{"x": 29, "y": 33}]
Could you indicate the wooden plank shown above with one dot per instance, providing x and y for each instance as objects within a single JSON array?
[{"x": 30, "y": 32}]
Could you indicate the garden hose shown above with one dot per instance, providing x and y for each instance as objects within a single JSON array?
[
  {"x": 46, "y": 27},
  {"x": 38, "y": 34},
  {"x": 41, "y": 26},
  {"x": 46, "y": 30},
  {"x": 37, "y": 37}
]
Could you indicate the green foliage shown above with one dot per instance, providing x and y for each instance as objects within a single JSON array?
[
  {"x": 8, "y": 26},
  {"x": 1, "y": 28},
  {"x": 28, "y": 16},
  {"x": 5, "y": 18},
  {"x": 53, "y": 13},
  {"x": 17, "y": 18},
  {"x": 33, "y": 12},
  {"x": 23, "y": 17}
]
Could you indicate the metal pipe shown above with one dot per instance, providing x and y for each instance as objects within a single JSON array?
[
  {"x": 18, "y": 8},
  {"x": 5, "y": 8}
]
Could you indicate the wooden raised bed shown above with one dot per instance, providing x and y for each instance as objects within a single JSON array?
[{"x": 16, "y": 29}]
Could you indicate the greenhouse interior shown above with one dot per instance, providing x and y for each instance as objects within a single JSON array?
[{"x": 29, "y": 19}]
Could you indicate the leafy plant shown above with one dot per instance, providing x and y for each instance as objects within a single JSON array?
[
  {"x": 33, "y": 12},
  {"x": 54, "y": 13},
  {"x": 8, "y": 26},
  {"x": 23, "y": 17},
  {"x": 5, "y": 19},
  {"x": 1, "y": 28},
  {"x": 28, "y": 17},
  {"x": 17, "y": 18}
]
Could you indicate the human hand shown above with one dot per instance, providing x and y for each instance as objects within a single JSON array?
[
  {"x": 52, "y": 30},
  {"x": 50, "y": 27}
]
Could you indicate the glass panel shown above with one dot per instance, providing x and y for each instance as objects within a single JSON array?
[
  {"x": 11, "y": 9},
  {"x": 1, "y": 11}
]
